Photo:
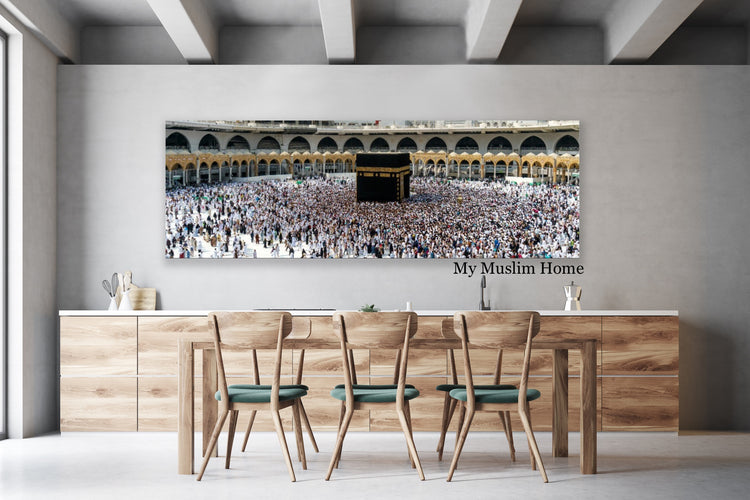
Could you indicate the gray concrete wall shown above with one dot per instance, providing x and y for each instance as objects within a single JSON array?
[
  {"x": 272, "y": 45},
  {"x": 699, "y": 45},
  {"x": 32, "y": 234},
  {"x": 553, "y": 45},
  {"x": 128, "y": 45},
  {"x": 664, "y": 208}
]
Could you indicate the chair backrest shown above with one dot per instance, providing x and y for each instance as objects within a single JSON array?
[
  {"x": 258, "y": 328},
  {"x": 249, "y": 330},
  {"x": 448, "y": 332},
  {"x": 373, "y": 330},
  {"x": 497, "y": 330}
]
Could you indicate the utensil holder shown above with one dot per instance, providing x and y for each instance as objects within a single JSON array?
[
  {"x": 112, "y": 304},
  {"x": 125, "y": 304}
]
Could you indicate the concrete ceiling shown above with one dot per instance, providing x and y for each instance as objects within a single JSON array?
[{"x": 631, "y": 31}]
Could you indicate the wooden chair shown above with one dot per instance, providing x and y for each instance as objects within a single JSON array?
[
  {"x": 449, "y": 404},
  {"x": 496, "y": 330},
  {"x": 253, "y": 330},
  {"x": 297, "y": 385},
  {"x": 375, "y": 330}
]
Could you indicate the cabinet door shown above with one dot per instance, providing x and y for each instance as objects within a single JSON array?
[
  {"x": 96, "y": 346},
  {"x": 98, "y": 404},
  {"x": 98, "y": 367},
  {"x": 641, "y": 373}
]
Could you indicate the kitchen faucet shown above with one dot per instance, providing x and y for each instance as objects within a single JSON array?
[{"x": 482, "y": 286}]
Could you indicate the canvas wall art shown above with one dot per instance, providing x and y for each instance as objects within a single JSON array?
[{"x": 478, "y": 189}]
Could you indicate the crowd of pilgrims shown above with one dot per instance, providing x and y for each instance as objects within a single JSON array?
[{"x": 320, "y": 218}]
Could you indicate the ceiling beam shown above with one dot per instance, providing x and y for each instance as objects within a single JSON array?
[
  {"x": 48, "y": 24},
  {"x": 339, "y": 27},
  {"x": 634, "y": 29},
  {"x": 191, "y": 28},
  {"x": 487, "y": 24}
]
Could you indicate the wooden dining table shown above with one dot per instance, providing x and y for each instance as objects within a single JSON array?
[{"x": 188, "y": 345}]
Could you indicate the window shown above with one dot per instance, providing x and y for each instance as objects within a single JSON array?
[{"x": 3, "y": 255}]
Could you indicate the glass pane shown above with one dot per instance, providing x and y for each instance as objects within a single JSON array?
[{"x": 3, "y": 274}]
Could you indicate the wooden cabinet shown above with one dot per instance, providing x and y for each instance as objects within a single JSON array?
[{"x": 120, "y": 373}]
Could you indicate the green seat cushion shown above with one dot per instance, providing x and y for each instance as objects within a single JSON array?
[
  {"x": 495, "y": 396},
  {"x": 260, "y": 395},
  {"x": 268, "y": 387},
  {"x": 374, "y": 393},
  {"x": 383, "y": 386},
  {"x": 450, "y": 387}
]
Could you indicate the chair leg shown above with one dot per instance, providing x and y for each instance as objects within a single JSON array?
[
  {"x": 343, "y": 426},
  {"x": 449, "y": 404},
  {"x": 341, "y": 419},
  {"x": 306, "y": 421},
  {"x": 531, "y": 455},
  {"x": 460, "y": 441},
  {"x": 533, "y": 448},
  {"x": 297, "y": 424},
  {"x": 407, "y": 414},
  {"x": 249, "y": 428},
  {"x": 409, "y": 440},
  {"x": 212, "y": 442},
  {"x": 282, "y": 441},
  {"x": 508, "y": 426},
  {"x": 461, "y": 415},
  {"x": 230, "y": 435}
]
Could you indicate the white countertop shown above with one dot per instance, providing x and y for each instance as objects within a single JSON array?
[{"x": 328, "y": 312}]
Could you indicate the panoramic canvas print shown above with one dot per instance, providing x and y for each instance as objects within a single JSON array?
[{"x": 476, "y": 189}]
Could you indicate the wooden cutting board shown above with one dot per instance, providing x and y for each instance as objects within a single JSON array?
[{"x": 142, "y": 299}]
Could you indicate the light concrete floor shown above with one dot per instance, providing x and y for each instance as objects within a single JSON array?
[{"x": 375, "y": 465}]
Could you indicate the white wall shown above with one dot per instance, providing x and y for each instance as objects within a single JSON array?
[{"x": 664, "y": 208}]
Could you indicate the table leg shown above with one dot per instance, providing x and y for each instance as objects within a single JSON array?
[
  {"x": 185, "y": 416},
  {"x": 210, "y": 406},
  {"x": 560, "y": 403},
  {"x": 588, "y": 408}
]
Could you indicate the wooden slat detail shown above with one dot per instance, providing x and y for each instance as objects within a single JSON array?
[
  {"x": 642, "y": 345},
  {"x": 640, "y": 404},
  {"x": 98, "y": 404},
  {"x": 98, "y": 346},
  {"x": 426, "y": 410},
  {"x": 421, "y": 362}
]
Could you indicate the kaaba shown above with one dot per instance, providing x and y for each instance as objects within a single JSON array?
[{"x": 383, "y": 176}]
